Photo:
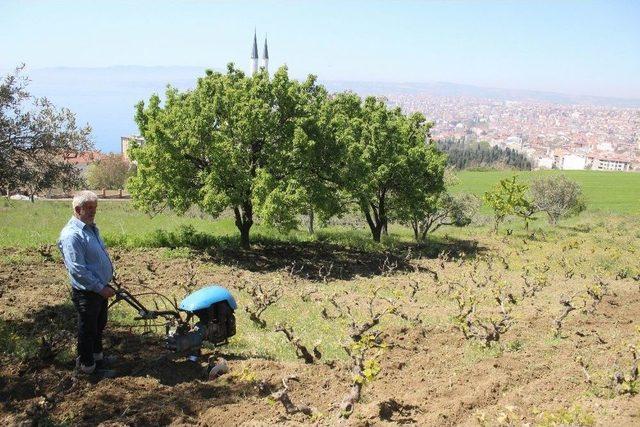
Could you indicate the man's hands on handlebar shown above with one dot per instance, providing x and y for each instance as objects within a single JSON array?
[{"x": 107, "y": 292}]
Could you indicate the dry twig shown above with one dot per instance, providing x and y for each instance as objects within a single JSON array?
[
  {"x": 301, "y": 350},
  {"x": 568, "y": 308},
  {"x": 283, "y": 397},
  {"x": 261, "y": 299}
]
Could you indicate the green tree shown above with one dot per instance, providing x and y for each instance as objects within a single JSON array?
[
  {"x": 35, "y": 139},
  {"x": 508, "y": 197},
  {"x": 306, "y": 179},
  {"x": 442, "y": 209},
  {"x": 557, "y": 196},
  {"x": 110, "y": 172},
  {"x": 388, "y": 163},
  {"x": 225, "y": 144},
  {"x": 427, "y": 211}
]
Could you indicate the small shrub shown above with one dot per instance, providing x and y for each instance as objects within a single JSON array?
[
  {"x": 246, "y": 375},
  {"x": 508, "y": 197},
  {"x": 558, "y": 197},
  {"x": 185, "y": 236},
  {"x": 514, "y": 346},
  {"x": 623, "y": 273},
  {"x": 177, "y": 253}
]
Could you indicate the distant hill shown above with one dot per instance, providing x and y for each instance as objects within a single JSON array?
[
  {"x": 105, "y": 97},
  {"x": 455, "y": 89}
]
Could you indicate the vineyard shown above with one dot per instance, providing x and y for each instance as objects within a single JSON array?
[{"x": 537, "y": 327}]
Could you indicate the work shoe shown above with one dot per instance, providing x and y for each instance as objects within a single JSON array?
[
  {"x": 105, "y": 373},
  {"x": 97, "y": 374},
  {"x": 105, "y": 362},
  {"x": 93, "y": 371}
]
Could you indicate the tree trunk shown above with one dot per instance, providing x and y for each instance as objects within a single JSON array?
[
  {"x": 382, "y": 213},
  {"x": 416, "y": 231},
  {"x": 244, "y": 221},
  {"x": 424, "y": 231},
  {"x": 376, "y": 233},
  {"x": 310, "y": 228},
  {"x": 245, "y": 243},
  {"x": 374, "y": 223},
  {"x": 385, "y": 228}
]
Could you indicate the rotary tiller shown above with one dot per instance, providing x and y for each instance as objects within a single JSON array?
[{"x": 213, "y": 307}]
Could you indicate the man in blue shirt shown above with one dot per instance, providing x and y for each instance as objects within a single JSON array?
[{"x": 90, "y": 271}]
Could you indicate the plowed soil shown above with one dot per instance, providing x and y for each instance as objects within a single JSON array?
[{"x": 429, "y": 373}]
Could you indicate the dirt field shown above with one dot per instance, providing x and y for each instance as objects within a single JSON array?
[{"x": 535, "y": 373}]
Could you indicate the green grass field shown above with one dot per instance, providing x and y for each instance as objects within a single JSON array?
[
  {"x": 23, "y": 224},
  {"x": 607, "y": 192}
]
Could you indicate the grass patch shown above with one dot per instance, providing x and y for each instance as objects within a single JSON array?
[
  {"x": 25, "y": 224},
  {"x": 514, "y": 346},
  {"x": 15, "y": 343},
  {"x": 176, "y": 253},
  {"x": 310, "y": 328},
  {"x": 574, "y": 416},
  {"x": 19, "y": 258},
  {"x": 28, "y": 225},
  {"x": 475, "y": 352}
]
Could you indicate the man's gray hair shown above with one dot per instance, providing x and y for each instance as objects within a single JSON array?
[{"x": 83, "y": 197}]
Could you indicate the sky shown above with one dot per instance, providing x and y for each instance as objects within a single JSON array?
[{"x": 577, "y": 47}]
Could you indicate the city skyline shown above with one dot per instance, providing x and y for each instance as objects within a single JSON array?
[{"x": 570, "y": 47}]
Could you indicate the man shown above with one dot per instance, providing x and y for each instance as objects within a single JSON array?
[{"x": 90, "y": 271}]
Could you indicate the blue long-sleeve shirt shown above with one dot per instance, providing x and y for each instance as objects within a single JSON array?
[{"x": 85, "y": 256}]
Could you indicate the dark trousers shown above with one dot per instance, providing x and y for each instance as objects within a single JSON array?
[{"x": 92, "y": 318}]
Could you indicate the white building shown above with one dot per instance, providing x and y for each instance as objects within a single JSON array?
[
  {"x": 573, "y": 162},
  {"x": 609, "y": 162},
  {"x": 544, "y": 163},
  {"x": 126, "y": 142}
]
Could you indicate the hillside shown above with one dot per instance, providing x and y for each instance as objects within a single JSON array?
[{"x": 471, "y": 328}]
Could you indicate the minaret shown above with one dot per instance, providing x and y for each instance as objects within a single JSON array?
[
  {"x": 254, "y": 55},
  {"x": 265, "y": 56}
]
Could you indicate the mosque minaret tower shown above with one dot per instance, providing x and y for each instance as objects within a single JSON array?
[
  {"x": 253, "y": 64},
  {"x": 265, "y": 56},
  {"x": 254, "y": 55}
]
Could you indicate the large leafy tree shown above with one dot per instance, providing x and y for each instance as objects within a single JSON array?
[
  {"x": 228, "y": 143},
  {"x": 389, "y": 163},
  {"x": 305, "y": 180},
  {"x": 35, "y": 139}
]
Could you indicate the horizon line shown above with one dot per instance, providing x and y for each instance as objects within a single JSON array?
[{"x": 334, "y": 80}]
